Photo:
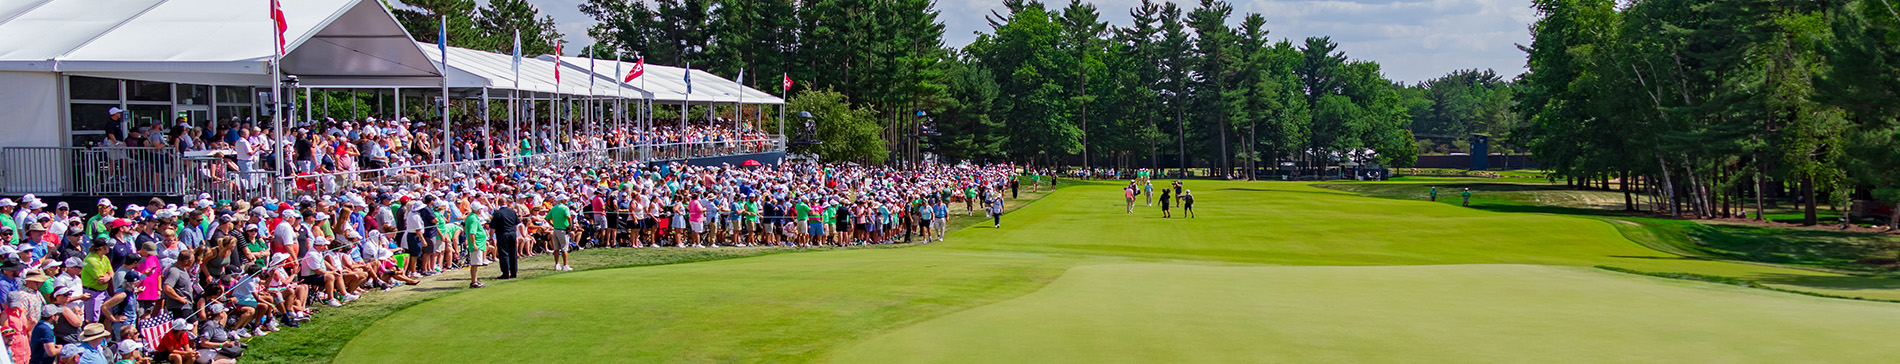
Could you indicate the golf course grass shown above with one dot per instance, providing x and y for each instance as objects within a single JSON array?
[{"x": 1269, "y": 272}]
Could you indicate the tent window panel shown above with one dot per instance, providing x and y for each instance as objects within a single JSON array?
[
  {"x": 93, "y": 88},
  {"x": 90, "y": 123},
  {"x": 148, "y": 91},
  {"x": 150, "y": 115},
  {"x": 228, "y": 113},
  {"x": 234, "y": 95},
  {"x": 194, "y": 95}
]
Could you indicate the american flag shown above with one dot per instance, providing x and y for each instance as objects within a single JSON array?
[{"x": 152, "y": 328}]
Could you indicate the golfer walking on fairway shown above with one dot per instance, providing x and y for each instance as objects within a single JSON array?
[
  {"x": 1187, "y": 202},
  {"x": 996, "y": 212},
  {"x": 1128, "y": 194},
  {"x": 1147, "y": 187}
]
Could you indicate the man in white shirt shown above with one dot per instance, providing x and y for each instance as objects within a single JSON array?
[{"x": 246, "y": 151}]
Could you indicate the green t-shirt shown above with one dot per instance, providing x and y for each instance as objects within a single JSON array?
[
  {"x": 526, "y": 148},
  {"x": 804, "y": 212},
  {"x": 1467, "y": 193},
  {"x": 830, "y": 215},
  {"x": 751, "y": 210},
  {"x": 97, "y": 265},
  {"x": 476, "y": 236},
  {"x": 557, "y": 216},
  {"x": 96, "y": 227}
]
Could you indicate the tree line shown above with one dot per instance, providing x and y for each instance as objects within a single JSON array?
[
  {"x": 1715, "y": 108},
  {"x": 1177, "y": 88}
]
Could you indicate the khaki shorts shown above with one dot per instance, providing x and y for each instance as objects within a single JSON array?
[
  {"x": 477, "y": 257},
  {"x": 560, "y": 240}
]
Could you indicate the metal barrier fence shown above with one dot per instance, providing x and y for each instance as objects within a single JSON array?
[
  {"x": 326, "y": 183},
  {"x": 91, "y": 171},
  {"x": 164, "y": 172}
]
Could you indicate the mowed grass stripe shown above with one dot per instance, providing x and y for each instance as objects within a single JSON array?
[
  {"x": 807, "y": 307},
  {"x": 1174, "y": 313}
]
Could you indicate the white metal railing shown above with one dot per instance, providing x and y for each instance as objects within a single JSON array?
[
  {"x": 326, "y": 183},
  {"x": 107, "y": 171},
  {"x": 100, "y": 171}
]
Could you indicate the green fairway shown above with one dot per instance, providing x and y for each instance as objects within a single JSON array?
[
  {"x": 1074, "y": 279},
  {"x": 1160, "y": 313}
]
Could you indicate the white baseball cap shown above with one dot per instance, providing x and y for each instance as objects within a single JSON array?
[{"x": 114, "y": 110}]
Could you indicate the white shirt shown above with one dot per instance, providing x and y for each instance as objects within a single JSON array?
[
  {"x": 312, "y": 260},
  {"x": 246, "y": 151}
]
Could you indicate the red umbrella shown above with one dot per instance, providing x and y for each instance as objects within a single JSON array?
[{"x": 751, "y": 163}]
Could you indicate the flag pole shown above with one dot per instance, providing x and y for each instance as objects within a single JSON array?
[
  {"x": 620, "y": 99},
  {"x": 448, "y": 146},
  {"x": 738, "y": 109},
  {"x": 277, "y": 96},
  {"x": 514, "y": 109}
]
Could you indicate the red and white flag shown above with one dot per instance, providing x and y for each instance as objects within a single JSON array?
[
  {"x": 277, "y": 16},
  {"x": 787, "y": 82},
  {"x": 557, "y": 62},
  {"x": 152, "y": 328},
  {"x": 639, "y": 68}
]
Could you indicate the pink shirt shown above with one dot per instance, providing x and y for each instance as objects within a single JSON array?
[
  {"x": 695, "y": 212},
  {"x": 151, "y": 270}
]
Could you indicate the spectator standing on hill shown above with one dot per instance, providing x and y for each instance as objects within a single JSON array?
[
  {"x": 558, "y": 219},
  {"x": 1467, "y": 195},
  {"x": 505, "y": 222},
  {"x": 1434, "y": 193}
]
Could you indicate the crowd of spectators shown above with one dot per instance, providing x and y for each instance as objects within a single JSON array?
[{"x": 191, "y": 282}]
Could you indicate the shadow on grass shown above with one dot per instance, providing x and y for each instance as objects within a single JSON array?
[
  {"x": 1844, "y": 283},
  {"x": 1653, "y": 257}
]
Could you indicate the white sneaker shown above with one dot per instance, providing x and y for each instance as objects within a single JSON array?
[
  {"x": 259, "y": 332},
  {"x": 350, "y": 298},
  {"x": 240, "y": 334},
  {"x": 333, "y": 303}
]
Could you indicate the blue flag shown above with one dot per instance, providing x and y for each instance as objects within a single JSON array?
[
  {"x": 689, "y": 77},
  {"x": 442, "y": 37}
]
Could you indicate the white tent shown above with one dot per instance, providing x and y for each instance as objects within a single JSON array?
[
  {"x": 668, "y": 84},
  {"x": 327, "y": 39},
  {"x": 210, "y": 42}
]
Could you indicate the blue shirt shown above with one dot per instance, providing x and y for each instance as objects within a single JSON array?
[
  {"x": 42, "y": 335},
  {"x": 91, "y": 355}
]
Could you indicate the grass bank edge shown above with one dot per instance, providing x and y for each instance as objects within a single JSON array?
[
  {"x": 321, "y": 339},
  {"x": 1735, "y": 282}
]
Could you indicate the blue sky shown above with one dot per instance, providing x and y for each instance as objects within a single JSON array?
[{"x": 1412, "y": 40}]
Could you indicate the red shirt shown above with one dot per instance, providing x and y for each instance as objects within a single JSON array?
[{"x": 175, "y": 341}]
